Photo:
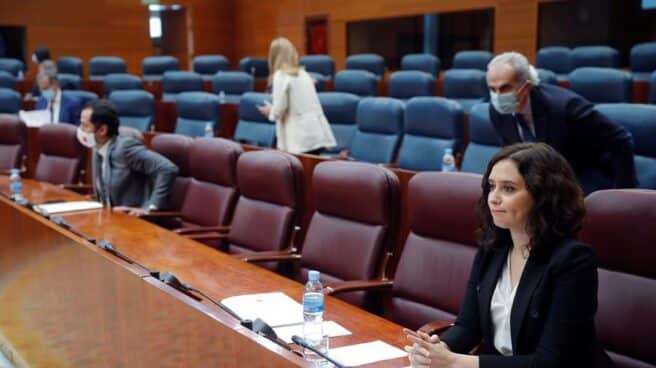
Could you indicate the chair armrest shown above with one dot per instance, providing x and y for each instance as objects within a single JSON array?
[
  {"x": 436, "y": 327},
  {"x": 202, "y": 229},
  {"x": 270, "y": 256},
  {"x": 358, "y": 285},
  {"x": 206, "y": 236},
  {"x": 78, "y": 188}
]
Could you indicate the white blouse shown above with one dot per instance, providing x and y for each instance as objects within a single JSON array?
[{"x": 500, "y": 308}]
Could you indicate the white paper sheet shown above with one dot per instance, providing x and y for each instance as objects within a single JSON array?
[
  {"x": 35, "y": 118},
  {"x": 61, "y": 207},
  {"x": 370, "y": 352},
  {"x": 276, "y": 309},
  {"x": 330, "y": 328}
]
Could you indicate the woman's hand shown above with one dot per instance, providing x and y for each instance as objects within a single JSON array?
[{"x": 428, "y": 351}]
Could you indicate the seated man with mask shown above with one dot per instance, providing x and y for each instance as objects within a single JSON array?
[
  {"x": 126, "y": 175},
  {"x": 523, "y": 110},
  {"x": 61, "y": 108}
]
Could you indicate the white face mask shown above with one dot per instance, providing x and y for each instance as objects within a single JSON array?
[
  {"x": 86, "y": 139},
  {"x": 506, "y": 103}
]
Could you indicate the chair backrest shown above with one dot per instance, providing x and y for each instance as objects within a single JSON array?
[
  {"x": 62, "y": 156},
  {"x": 13, "y": 66},
  {"x": 652, "y": 88},
  {"x": 358, "y": 82},
  {"x": 176, "y": 148},
  {"x": 273, "y": 212},
  {"x": 13, "y": 133},
  {"x": 70, "y": 81},
  {"x": 431, "y": 125},
  {"x": 121, "y": 81},
  {"x": 319, "y": 81},
  {"x": 602, "y": 85},
  {"x": 353, "y": 225},
  {"x": 195, "y": 111},
  {"x": 594, "y": 56},
  {"x": 7, "y": 80},
  {"x": 422, "y": 62},
  {"x": 555, "y": 59},
  {"x": 476, "y": 59},
  {"x": 643, "y": 60},
  {"x": 70, "y": 65},
  {"x": 407, "y": 84},
  {"x": 379, "y": 130},
  {"x": 10, "y": 101},
  {"x": 547, "y": 77},
  {"x": 232, "y": 84},
  {"x": 467, "y": 86},
  {"x": 340, "y": 109},
  {"x": 154, "y": 67},
  {"x": 640, "y": 121},
  {"x": 136, "y": 108},
  {"x": 320, "y": 64},
  {"x": 256, "y": 66},
  {"x": 212, "y": 192},
  {"x": 431, "y": 277},
  {"x": 483, "y": 140},
  {"x": 618, "y": 226},
  {"x": 208, "y": 65},
  {"x": 83, "y": 96},
  {"x": 100, "y": 66},
  {"x": 253, "y": 127},
  {"x": 373, "y": 63},
  {"x": 176, "y": 82}
]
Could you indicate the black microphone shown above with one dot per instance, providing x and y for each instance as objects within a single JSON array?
[
  {"x": 301, "y": 342},
  {"x": 109, "y": 247},
  {"x": 58, "y": 220}
]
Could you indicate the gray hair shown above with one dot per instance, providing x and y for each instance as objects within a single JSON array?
[
  {"x": 519, "y": 63},
  {"x": 52, "y": 77},
  {"x": 48, "y": 66}
]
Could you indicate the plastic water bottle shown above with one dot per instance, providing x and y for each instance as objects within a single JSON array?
[
  {"x": 448, "y": 161},
  {"x": 209, "y": 130},
  {"x": 313, "y": 316},
  {"x": 15, "y": 184},
  {"x": 222, "y": 97}
]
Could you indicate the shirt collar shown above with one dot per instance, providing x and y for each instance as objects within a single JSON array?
[{"x": 102, "y": 151}]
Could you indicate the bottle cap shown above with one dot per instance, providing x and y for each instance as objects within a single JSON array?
[{"x": 314, "y": 275}]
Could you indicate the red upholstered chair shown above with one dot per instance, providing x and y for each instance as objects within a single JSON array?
[
  {"x": 619, "y": 225},
  {"x": 62, "y": 156},
  {"x": 12, "y": 142},
  {"x": 432, "y": 274},
  {"x": 176, "y": 148}
]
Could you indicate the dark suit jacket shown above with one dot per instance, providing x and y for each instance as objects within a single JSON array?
[
  {"x": 600, "y": 152},
  {"x": 552, "y": 317},
  {"x": 138, "y": 177},
  {"x": 69, "y": 111}
]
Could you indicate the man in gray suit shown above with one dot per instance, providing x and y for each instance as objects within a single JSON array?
[{"x": 126, "y": 175}]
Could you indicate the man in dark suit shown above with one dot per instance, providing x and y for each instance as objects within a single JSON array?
[
  {"x": 126, "y": 175},
  {"x": 523, "y": 110},
  {"x": 62, "y": 108}
]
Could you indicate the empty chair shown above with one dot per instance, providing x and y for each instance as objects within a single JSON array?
[
  {"x": 547, "y": 76},
  {"x": 70, "y": 65},
  {"x": 208, "y": 65},
  {"x": 379, "y": 130},
  {"x": 407, "y": 84},
  {"x": 640, "y": 121},
  {"x": 322, "y": 66},
  {"x": 70, "y": 81},
  {"x": 467, "y": 87},
  {"x": 7, "y": 80},
  {"x": 483, "y": 140},
  {"x": 372, "y": 63},
  {"x": 176, "y": 148},
  {"x": 232, "y": 84},
  {"x": 10, "y": 101},
  {"x": 340, "y": 109},
  {"x": 431, "y": 125},
  {"x": 618, "y": 227},
  {"x": 602, "y": 85},
  {"x": 652, "y": 88},
  {"x": 555, "y": 59},
  {"x": 643, "y": 60},
  {"x": 135, "y": 108},
  {"x": 422, "y": 62},
  {"x": 62, "y": 156},
  {"x": 472, "y": 60},
  {"x": 121, "y": 81},
  {"x": 254, "y": 128},
  {"x": 14, "y": 67},
  {"x": 176, "y": 82},
  {"x": 195, "y": 111},
  {"x": 256, "y": 66},
  {"x": 357, "y": 82},
  {"x": 594, "y": 56},
  {"x": 154, "y": 67},
  {"x": 83, "y": 96},
  {"x": 100, "y": 66},
  {"x": 319, "y": 81},
  {"x": 13, "y": 134},
  {"x": 431, "y": 277}
]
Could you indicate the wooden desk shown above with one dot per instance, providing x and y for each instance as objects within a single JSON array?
[{"x": 68, "y": 302}]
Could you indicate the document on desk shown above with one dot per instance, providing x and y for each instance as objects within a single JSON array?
[
  {"x": 370, "y": 352},
  {"x": 330, "y": 328},
  {"x": 276, "y": 309},
  {"x": 35, "y": 118},
  {"x": 63, "y": 207}
]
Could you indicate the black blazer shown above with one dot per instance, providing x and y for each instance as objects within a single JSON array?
[{"x": 552, "y": 317}]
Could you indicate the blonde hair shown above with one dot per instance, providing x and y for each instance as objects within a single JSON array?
[{"x": 282, "y": 56}]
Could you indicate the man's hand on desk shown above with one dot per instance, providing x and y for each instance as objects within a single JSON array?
[{"x": 132, "y": 211}]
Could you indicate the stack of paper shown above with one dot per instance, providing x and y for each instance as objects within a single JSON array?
[
  {"x": 62, "y": 207},
  {"x": 35, "y": 118},
  {"x": 367, "y": 353},
  {"x": 330, "y": 328},
  {"x": 276, "y": 309}
]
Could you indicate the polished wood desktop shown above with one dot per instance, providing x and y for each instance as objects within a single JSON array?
[{"x": 66, "y": 302}]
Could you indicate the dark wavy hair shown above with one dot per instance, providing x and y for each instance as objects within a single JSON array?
[{"x": 558, "y": 208}]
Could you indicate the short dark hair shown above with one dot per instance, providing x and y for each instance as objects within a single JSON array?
[
  {"x": 42, "y": 53},
  {"x": 104, "y": 112},
  {"x": 558, "y": 207}
]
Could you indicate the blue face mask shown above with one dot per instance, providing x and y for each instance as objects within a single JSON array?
[
  {"x": 48, "y": 94},
  {"x": 506, "y": 103}
]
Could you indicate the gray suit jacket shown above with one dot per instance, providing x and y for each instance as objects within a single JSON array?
[{"x": 137, "y": 176}]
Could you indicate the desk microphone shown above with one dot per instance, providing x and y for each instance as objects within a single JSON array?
[
  {"x": 301, "y": 342},
  {"x": 109, "y": 247},
  {"x": 58, "y": 220}
]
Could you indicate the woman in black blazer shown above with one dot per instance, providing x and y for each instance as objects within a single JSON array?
[{"x": 532, "y": 292}]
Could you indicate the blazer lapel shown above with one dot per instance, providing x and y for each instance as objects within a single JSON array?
[
  {"x": 486, "y": 288},
  {"x": 531, "y": 276},
  {"x": 539, "y": 116}
]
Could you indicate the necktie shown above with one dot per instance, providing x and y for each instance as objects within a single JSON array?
[
  {"x": 525, "y": 132},
  {"x": 52, "y": 111},
  {"x": 100, "y": 176}
]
